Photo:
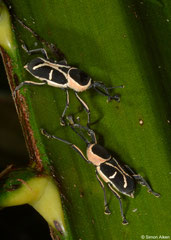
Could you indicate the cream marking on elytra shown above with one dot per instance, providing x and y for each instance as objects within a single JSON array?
[
  {"x": 113, "y": 176},
  {"x": 122, "y": 169},
  {"x": 50, "y": 83},
  {"x": 125, "y": 181},
  {"x": 114, "y": 191},
  {"x": 107, "y": 181},
  {"x": 52, "y": 65},
  {"x": 119, "y": 170},
  {"x": 40, "y": 65},
  {"x": 54, "y": 84},
  {"x": 102, "y": 175},
  {"x": 50, "y": 74},
  {"x": 111, "y": 165}
]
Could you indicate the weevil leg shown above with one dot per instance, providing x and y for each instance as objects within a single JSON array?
[
  {"x": 62, "y": 122},
  {"x": 33, "y": 51},
  {"x": 130, "y": 169},
  {"x": 124, "y": 221},
  {"x": 100, "y": 91},
  {"x": 92, "y": 135},
  {"x": 28, "y": 83},
  {"x": 101, "y": 85},
  {"x": 106, "y": 211},
  {"x": 98, "y": 85},
  {"x": 85, "y": 107},
  {"x": 72, "y": 125},
  {"x": 116, "y": 97},
  {"x": 46, "y": 134},
  {"x": 77, "y": 125},
  {"x": 142, "y": 181}
]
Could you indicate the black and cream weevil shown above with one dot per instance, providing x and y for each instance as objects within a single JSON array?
[
  {"x": 118, "y": 176},
  {"x": 61, "y": 75}
]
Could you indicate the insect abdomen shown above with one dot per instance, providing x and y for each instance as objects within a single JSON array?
[
  {"x": 111, "y": 171},
  {"x": 43, "y": 71}
]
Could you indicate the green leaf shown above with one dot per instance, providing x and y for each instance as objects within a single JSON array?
[{"x": 116, "y": 42}]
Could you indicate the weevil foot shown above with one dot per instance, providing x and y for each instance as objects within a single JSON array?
[
  {"x": 24, "y": 47},
  {"x": 124, "y": 222},
  {"x": 142, "y": 183},
  {"x": 154, "y": 193},
  {"x": 78, "y": 120},
  {"x": 116, "y": 98},
  {"x": 157, "y": 195},
  {"x": 109, "y": 99},
  {"x": 107, "y": 211},
  {"x": 70, "y": 119},
  {"x": 62, "y": 122},
  {"x": 43, "y": 132}
]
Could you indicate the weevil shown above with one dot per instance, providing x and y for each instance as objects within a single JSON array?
[
  {"x": 61, "y": 75},
  {"x": 118, "y": 176}
]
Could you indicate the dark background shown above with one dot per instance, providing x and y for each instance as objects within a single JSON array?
[{"x": 20, "y": 222}]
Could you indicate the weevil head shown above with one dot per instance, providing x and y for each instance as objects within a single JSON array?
[{"x": 97, "y": 154}]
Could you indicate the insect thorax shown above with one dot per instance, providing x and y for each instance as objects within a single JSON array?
[{"x": 97, "y": 154}]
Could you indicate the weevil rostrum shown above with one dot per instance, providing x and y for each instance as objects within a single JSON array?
[
  {"x": 118, "y": 176},
  {"x": 61, "y": 75}
]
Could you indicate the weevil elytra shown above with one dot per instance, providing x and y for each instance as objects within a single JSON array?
[
  {"x": 61, "y": 75},
  {"x": 118, "y": 176}
]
